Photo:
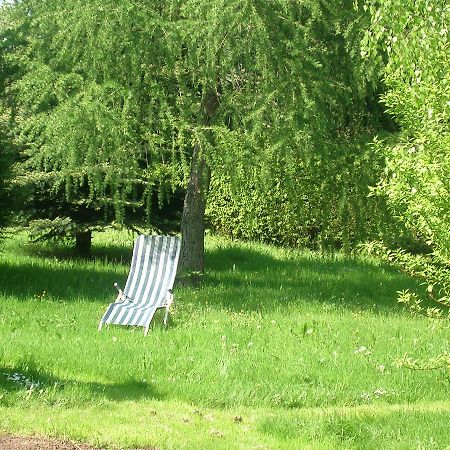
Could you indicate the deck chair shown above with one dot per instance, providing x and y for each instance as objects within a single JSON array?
[{"x": 149, "y": 283}]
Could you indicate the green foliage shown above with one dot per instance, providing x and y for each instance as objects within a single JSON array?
[
  {"x": 5, "y": 160},
  {"x": 3, "y": 202},
  {"x": 408, "y": 40},
  {"x": 57, "y": 230},
  {"x": 434, "y": 302},
  {"x": 115, "y": 95},
  {"x": 6, "y": 148},
  {"x": 414, "y": 304},
  {"x": 89, "y": 148},
  {"x": 310, "y": 187},
  {"x": 321, "y": 200}
]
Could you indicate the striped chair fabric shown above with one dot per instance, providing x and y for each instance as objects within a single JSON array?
[{"x": 149, "y": 283}]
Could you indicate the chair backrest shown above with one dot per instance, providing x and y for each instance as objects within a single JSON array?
[{"x": 153, "y": 269}]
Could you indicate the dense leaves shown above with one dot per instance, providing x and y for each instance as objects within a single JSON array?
[
  {"x": 321, "y": 202},
  {"x": 4, "y": 165},
  {"x": 412, "y": 39},
  {"x": 116, "y": 96},
  {"x": 7, "y": 71},
  {"x": 408, "y": 42},
  {"x": 311, "y": 187},
  {"x": 117, "y": 103}
]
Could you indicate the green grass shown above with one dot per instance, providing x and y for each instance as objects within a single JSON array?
[{"x": 279, "y": 349}]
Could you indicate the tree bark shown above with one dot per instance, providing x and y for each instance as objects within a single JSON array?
[
  {"x": 192, "y": 261},
  {"x": 83, "y": 241},
  {"x": 193, "y": 217}
]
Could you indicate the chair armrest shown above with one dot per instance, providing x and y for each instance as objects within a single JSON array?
[{"x": 122, "y": 294}]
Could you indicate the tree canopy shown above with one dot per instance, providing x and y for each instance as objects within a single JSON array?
[
  {"x": 121, "y": 99},
  {"x": 119, "y": 104}
]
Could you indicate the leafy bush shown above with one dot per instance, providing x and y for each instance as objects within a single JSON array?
[
  {"x": 434, "y": 301},
  {"x": 409, "y": 41},
  {"x": 322, "y": 201}
]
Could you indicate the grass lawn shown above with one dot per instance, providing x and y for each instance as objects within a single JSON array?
[{"x": 279, "y": 349}]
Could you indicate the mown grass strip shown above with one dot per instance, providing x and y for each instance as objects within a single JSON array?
[{"x": 177, "y": 425}]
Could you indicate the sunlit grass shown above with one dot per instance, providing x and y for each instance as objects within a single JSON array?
[{"x": 273, "y": 337}]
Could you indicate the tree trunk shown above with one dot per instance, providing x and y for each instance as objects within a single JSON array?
[
  {"x": 83, "y": 240},
  {"x": 193, "y": 218},
  {"x": 192, "y": 262}
]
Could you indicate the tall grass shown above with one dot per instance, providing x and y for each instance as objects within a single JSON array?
[{"x": 278, "y": 348}]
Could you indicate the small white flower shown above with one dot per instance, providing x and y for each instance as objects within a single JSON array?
[
  {"x": 379, "y": 392},
  {"x": 413, "y": 190},
  {"x": 365, "y": 396},
  {"x": 363, "y": 350},
  {"x": 114, "y": 339},
  {"x": 381, "y": 368}
]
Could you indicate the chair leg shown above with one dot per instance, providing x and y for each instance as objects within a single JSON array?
[
  {"x": 146, "y": 329},
  {"x": 100, "y": 325},
  {"x": 166, "y": 317},
  {"x": 169, "y": 302}
]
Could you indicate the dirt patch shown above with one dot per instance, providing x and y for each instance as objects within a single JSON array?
[{"x": 8, "y": 442}]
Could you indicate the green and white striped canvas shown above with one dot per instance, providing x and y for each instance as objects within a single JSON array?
[{"x": 149, "y": 283}]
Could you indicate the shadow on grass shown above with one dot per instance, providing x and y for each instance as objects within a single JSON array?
[
  {"x": 55, "y": 272},
  {"x": 257, "y": 281},
  {"x": 114, "y": 254},
  {"x": 240, "y": 278},
  {"x": 27, "y": 380},
  {"x": 117, "y": 254},
  {"x": 57, "y": 282}
]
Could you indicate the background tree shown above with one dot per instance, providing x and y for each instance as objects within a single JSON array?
[
  {"x": 86, "y": 154},
  {"x": 5, "y": 158},
  {"x": 7, "y": 71},
  {"x": 127, "y": 100},
  {"x": 316, "y": 192}
]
